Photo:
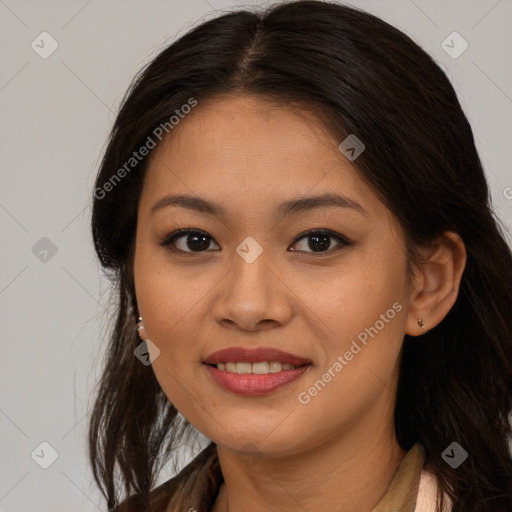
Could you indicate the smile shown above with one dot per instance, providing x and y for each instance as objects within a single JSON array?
[
  {"x": 257, "y": 368},
  {"x": 254, "y": 383}
]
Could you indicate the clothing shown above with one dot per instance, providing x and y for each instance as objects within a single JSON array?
[{"x": 195, "y": 488}]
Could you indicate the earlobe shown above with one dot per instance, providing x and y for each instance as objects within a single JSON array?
[
  {"x": 421, "y": 324},
  {"x": 436, "y": 286}
]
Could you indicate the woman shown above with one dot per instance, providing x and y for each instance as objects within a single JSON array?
[{"x": 297, "y": 224}]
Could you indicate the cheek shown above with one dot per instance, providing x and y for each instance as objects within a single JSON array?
[
  {"x": 168, "y": 308},
  {"x": 359, "y": 295},
  {"x": 169, "y": 314},
  {"x": 165, "y": 293},
  {"x": 360, "y": 350},
  {"x": 364, "y": 311}
]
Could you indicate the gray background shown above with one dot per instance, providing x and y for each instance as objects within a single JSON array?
[{"x": 55, "y": 116}]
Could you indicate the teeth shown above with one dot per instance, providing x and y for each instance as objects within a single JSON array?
[{"x": 257, "y": 368}]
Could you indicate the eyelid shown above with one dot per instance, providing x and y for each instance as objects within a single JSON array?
[
  {"x": 170, "y": 238},
  {"x": 167, "y": 240},
  {"x": 343, "y": 240}
]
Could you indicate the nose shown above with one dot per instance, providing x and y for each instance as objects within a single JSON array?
[{"x": 252, "y": 296}]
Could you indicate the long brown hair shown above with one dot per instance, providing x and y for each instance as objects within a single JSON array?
[{"x": 360, "y": 76}]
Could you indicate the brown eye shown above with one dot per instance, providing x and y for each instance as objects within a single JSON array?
[
  {"x": 320, "y": 241},
  {"x": 186, "y": 240},
  {"x": 195, "y": 241}
]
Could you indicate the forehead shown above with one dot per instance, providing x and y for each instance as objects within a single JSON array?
[{"x": 246, "y": 151}]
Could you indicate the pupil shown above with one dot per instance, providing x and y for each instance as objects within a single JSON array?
[
  {"x": 197, "y": 246},
  {"x": 323, "y": 241}
]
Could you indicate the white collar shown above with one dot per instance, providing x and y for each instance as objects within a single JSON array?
[{"x": 427, "y": 493}]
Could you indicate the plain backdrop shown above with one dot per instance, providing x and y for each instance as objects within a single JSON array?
[{"x": 56, "y": 113}]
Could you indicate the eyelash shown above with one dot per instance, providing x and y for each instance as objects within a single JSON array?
[{"x": 169, "y": 239}]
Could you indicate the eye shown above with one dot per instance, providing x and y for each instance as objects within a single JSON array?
[
  {"x": 320, "y": 241},
  {"x": 196, "y": 241}
]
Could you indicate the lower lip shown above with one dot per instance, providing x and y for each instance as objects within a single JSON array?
[{"x": 254, "y": 384}]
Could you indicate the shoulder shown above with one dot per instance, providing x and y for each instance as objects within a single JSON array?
[{"x": 160, "y": 496}]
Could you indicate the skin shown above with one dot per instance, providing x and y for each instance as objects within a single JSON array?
[{"x": 250, "y": 155}]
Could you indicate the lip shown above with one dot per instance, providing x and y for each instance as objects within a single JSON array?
[
  {"x": 254, "y": 355},
  {"x": 254, "y": 384},
  {"x": 249, "y": 383}
]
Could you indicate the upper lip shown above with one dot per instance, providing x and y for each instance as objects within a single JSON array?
[{"x": 254, "y": 355}]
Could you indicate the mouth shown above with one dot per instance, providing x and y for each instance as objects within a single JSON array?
[
  {"x": 259, "y": 368},
  {"x": 255, "y": 383},
  {"x": 256, "y": 371},
  {"x": 239, "y": 355}
]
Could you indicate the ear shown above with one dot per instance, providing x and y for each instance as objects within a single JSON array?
[{"x": 435, "y": 286}]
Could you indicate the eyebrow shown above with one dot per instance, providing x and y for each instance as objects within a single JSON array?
[{"x": 293, "y": 206}]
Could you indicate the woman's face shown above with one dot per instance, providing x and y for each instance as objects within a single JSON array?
[{"x": 254, "y": 278}]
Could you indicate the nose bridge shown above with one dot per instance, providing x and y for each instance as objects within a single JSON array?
[
  {"x": 251, "y": 292},
  {"x": 250, "y": 279}
]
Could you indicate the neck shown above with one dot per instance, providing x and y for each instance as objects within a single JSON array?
[{"x": 349, "y": 472}]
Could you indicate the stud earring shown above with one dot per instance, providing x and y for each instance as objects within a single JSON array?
[
  {"x": 421, "y": 324},
  {"x": 147, "y": 351},
  {"x": 140, "y": 327}
]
